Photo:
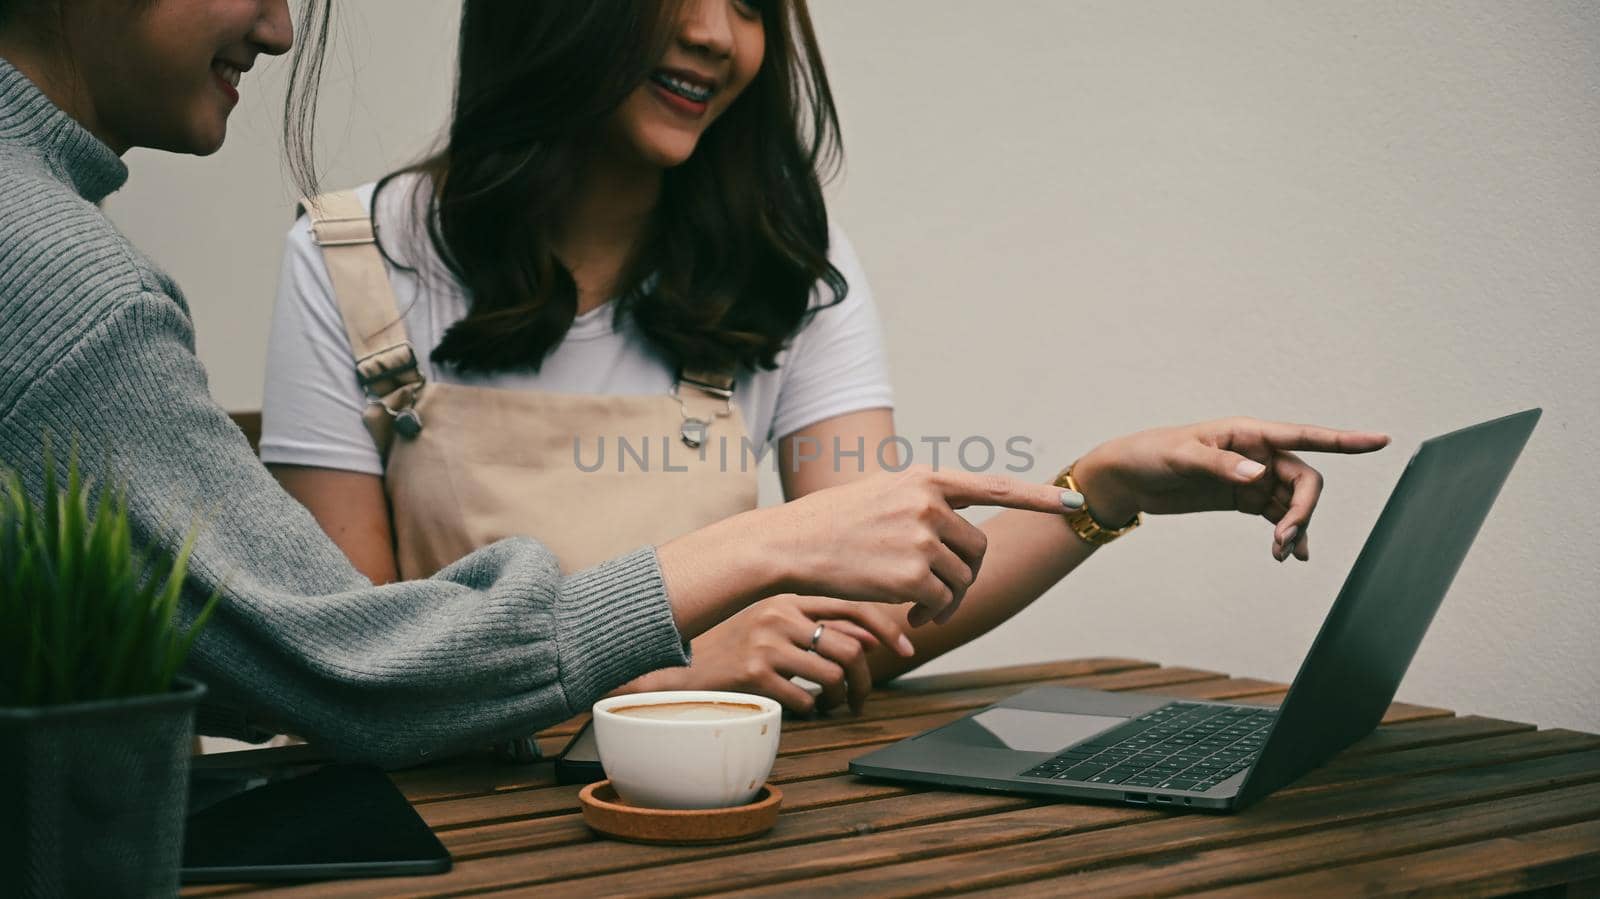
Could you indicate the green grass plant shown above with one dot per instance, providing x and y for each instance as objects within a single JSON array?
[{"x": 83, "y": 615}]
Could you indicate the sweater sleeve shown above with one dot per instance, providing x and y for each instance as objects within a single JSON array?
[{"x": 499, "y": 643}]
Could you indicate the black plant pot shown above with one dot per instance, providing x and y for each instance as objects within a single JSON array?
[{"x": 93, "y": 795}]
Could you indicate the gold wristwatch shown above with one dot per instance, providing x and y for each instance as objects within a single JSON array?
[{"x": 1083, "y": 522}]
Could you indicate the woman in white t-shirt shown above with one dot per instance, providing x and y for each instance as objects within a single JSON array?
[{"x": 612, "y": 253}]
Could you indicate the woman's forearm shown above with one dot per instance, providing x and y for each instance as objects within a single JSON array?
[
  {"x": 714, "y": 572},
  {"x": 352, "y": 509},
  {"x": 1028, "y": 554}
]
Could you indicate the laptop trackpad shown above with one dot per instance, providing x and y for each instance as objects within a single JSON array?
[{"x": 1026, "y": 730}]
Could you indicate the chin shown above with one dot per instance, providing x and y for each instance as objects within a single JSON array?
[
  {"x": 666, "y": 151},
  {"x": 194, "y": 139},
  {"x": 205, "y": 127},
  {"x": 670, "y": 160},
  {"x": 207, "y": 135},
  {"x": 209, "y": 145}
]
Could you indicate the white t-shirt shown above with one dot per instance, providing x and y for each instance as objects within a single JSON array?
[{"x": 311, "y": 414}]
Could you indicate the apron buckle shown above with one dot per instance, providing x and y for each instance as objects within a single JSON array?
[
  {"x": 407, "y": 423},
  {"x": 406, "y": 420},
  {"x": 694, "y": 431}
]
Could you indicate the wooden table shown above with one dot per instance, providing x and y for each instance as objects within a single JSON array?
[{"x": 1431, "y": 802}]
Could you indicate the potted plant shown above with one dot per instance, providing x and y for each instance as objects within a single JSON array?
[{"x": 95, "y": 725}]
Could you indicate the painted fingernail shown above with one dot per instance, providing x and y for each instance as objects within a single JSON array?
[
  {"x": 1072, "y": 499},
  {"x": 906, "y": 649},
  {"x": 1249, "y": 469}
]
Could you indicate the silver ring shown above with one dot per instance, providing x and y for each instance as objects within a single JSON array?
[{"x": 815, "y": 636}]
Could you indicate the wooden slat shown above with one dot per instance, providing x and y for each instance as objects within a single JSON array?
[
  {"x": 1235, "y": 688},
  {"x": 562, "y": 800},
  {"x": 1494, "y": 867},
  {"x": 1398, "y": 712},
  {"x": 476, "y": 775},
  {"x": 1432, "y": 731},
  {"x": 801, "y": 828},
  {"x": 1329, "y": 847},
  {"x": 1045, "y": 841},
  {"x": 1401, "y": 712},
  {"x": 1363, "y": 768},
  {"x": 1025, "y": 675}
]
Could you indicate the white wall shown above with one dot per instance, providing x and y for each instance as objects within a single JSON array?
[{"x": 1085, "y": 218}]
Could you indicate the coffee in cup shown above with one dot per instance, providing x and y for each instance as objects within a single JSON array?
[
  {"x": 689, "y": 711},
  {"x": 687, "y": 749}
]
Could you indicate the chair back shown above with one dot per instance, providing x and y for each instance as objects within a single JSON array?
[{"x": 250, "y": 424}]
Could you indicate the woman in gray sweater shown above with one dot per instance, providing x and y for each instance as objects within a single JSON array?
[{"x": 96, "y": 348}]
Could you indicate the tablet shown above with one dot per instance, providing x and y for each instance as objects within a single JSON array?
[{"x": 308, "y": 822}]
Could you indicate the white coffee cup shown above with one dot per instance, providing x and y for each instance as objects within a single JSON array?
[{"x": 683, "y": 759}]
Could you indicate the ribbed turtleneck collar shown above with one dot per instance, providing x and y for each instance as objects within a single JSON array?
[{"x": 28, "y": 118}]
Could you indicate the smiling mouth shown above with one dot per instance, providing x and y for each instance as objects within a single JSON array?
[
  {"x": 227, "y": 72},
  {"x": 692, "y": 90}
]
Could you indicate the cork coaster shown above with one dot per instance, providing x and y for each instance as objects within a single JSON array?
[{"x": 607, "y": 813}]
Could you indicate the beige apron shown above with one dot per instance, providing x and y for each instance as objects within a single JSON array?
[{"x": 590, "y": 476}]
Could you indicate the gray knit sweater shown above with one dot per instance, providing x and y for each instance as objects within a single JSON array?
[{"x": 96, "y": 346}]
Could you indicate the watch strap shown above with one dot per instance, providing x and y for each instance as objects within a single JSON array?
[{"x": 1083, "y": 522}]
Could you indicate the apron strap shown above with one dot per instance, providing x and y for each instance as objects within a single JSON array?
[
  {"x": 718, "y": 383},
  {"x": 385, "y": 361}
]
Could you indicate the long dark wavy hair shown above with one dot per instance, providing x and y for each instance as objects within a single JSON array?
[{"x": 738, "y": 240}]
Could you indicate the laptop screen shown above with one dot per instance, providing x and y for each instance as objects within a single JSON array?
[{"x": 1396, "y": 585}]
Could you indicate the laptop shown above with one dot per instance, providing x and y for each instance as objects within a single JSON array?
[{"x": 1149, "y": 751}]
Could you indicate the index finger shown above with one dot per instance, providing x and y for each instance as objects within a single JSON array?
[
  {"x": 962, "y": 489},
  {"x": 1317, "y": 439}
]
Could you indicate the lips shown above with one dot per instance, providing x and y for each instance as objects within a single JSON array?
[
  {"x": 227, "y": 76},
  {"x": 688, "y": 85},
  {"x": 684, "y": 93}
]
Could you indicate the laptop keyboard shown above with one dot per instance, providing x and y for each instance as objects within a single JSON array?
[{"x": 1180, "y": 746}]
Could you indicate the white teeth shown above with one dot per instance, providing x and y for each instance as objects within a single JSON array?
[
  {"x": 683, "y": 88},
  {"x": 229, "y": 73}
]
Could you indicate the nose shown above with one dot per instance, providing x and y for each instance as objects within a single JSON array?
[
  {"x": 703, "y": 26},
  {"x": 273, "y": 33}
]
